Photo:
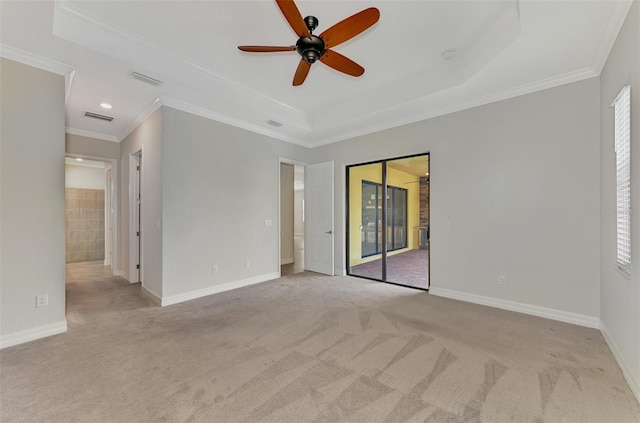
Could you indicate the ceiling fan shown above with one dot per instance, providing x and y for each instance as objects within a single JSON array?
[{"x": 312, "y": 48}]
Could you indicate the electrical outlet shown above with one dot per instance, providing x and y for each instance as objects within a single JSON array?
[
  {"x": 268, "y": 222},
  {"x": 502, "y": 280},
  {"x": 42, "y": 300},
  {"x": 214, "y": 268},
  {"x": 246, "y": 264},
  {"x": 447, "y": 224}
]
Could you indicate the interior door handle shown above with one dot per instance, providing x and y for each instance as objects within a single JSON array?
[{"x": 329, "y": 232}]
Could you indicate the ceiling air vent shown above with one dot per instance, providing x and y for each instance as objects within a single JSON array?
[
  {"x": 98, "y": 116},
  {"x": 145, "y": 78}
]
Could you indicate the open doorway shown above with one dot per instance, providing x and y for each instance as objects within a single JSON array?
[
  {"x": 388, "y": 221},
  {"x": 291, "y": 219},
  {"x": 88, "y": 211}
]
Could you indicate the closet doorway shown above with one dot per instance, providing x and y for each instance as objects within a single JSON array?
[{"x": 388, "y": 220}]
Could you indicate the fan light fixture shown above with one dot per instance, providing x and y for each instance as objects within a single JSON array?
[{"x": 312, "y": 48}]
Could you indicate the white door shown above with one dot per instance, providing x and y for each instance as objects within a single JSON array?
[{"x": 318, "y": 222}]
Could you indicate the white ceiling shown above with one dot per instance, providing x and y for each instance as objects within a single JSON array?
[{"x": 502, "y": 48}]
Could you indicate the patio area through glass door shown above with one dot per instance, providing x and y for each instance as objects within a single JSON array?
[{"x": 388, "y": 221}]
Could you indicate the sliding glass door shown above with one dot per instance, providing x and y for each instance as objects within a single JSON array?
[
  {"x": 371, "y": 218},
  {"x": 367, "y": 240},
  {"x": 388, "y": 220},
  {"x": 372, "y": 226}
]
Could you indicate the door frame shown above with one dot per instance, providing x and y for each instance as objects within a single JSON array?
[
  {"x": 135, "y": 251},
  {"x": 108, "y": 216},
  {"x": 115, "y": 262},
  {"x": 384, "y": 207},
  {"x": 283, "y": 160}
]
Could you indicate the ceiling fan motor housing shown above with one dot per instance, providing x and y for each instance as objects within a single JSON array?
[{"x": 310, "y": 48}]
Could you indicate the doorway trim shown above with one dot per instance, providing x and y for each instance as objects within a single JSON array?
[
  {"x": 108, "y": 218},
  {"x": 135, "y": 189},
  {"x": 283, "y": 160},
  {"x": 115, "y": 176}
]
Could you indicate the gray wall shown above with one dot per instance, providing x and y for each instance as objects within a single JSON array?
[
  {"x": 148, "y": 138},
  {"x": 219, "y": 185},
  {"x": 32, "y": 238},
  {"x": 518, "y": 180},
  {"x": 76, "y": 144},
  {"x": 620, "y": 297}
]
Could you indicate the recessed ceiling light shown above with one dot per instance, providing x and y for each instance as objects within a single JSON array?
[
  {"x": 449, "y": 54},
  {"x": 79, "y": 159},
  {"x": 106, "y": 105}
]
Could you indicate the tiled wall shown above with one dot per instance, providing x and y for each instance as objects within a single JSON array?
[
  {"x": 424, "y": 208},
  {"x": 424, "y": 202},
  {"x": 84, "y": 218}
]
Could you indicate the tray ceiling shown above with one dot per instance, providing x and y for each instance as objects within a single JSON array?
[{"x": 422, "y": 59}]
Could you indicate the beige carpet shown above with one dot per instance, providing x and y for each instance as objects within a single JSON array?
[{"x": 307, "y": 348}]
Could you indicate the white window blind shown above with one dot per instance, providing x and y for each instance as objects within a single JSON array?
[{"x": 622, "y": 112}]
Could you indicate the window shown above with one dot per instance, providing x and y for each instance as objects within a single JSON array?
[{"x": 622, "y": 113}]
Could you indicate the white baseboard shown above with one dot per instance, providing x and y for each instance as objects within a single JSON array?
[
  {"x": 33, "y": 334},
  {"x": 152, "y": 296},
  {"x": 124, "y": 275},
  {"x": 287, "y": 261},
  {"x": 633, "y": 382},
  {"x": 339, "y": 272},
  {"x": 192, "y": 295},
  {"x": 548, "y": 313}
]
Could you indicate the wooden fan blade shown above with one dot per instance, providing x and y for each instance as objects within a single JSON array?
[
  {"x": 301, "y": 72},
  {"x": 265, "y": 49},
  {"x": 341, "y": 63},
  {"x": 293, "y": 16},
  {"x": 350, "y": 27}
]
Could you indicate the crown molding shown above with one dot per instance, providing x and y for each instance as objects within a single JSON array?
[
  {"x": 147, "y": 111},
  {"x": 91, "y": 134},
  {"x": 69, "y": 72},
  {"x": 433, "y": 112},
  {"x": 68, "y": 83},
  {"x": 610, "y": 35},
  {"x": 35, "y": 60},
  {"x": 428, "y": 113},
  {"x": 229, "y": 120}
]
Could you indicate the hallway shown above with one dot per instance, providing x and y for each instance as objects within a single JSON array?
[{"x": 92, "y": 292}]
